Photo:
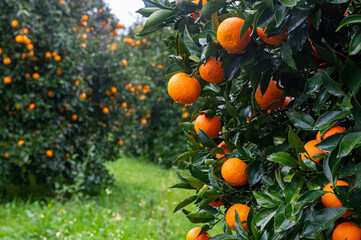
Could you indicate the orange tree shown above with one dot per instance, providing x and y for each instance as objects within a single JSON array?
[
  {"x": 65, "y": 67},
  {"x": 275, "y": 140}
]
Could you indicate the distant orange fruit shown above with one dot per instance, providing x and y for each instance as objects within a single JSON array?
[
  {"x": 36, "y": 75},
  {"x": 225, "y": 148},
  {"x": 212, "y": 71},
  {"x": 119, "y": 25},
  {"x": 105, "y": 110},
  {"x": 84, "y": 36},
  {"x": 286, "y": 102},
  {"x": 347, "y": 230},
  {"x": 330, "y": 199},
  {"x": 124, "y": 105},
  {"x": 47, "y": 55},
  {"x": 83, "y": 45},
  {"x": 312, "y": 151},
  {"x": 331, "y": 131},
  {"x": 7, "y": 61},
  {"x": 14, "y": 23},
  {"x": 49, "y": 153},
  {"x": 124, "y": 62},
  {"x": 273, "y": 97},
  {"x": 195, "y": 14},
  {"x": 234, "y": 172},
  {"x": 29, "y": 46},
  {"x": 6, "y": 155},
  {"x": 184, "y": 89},
  {"x": 24, "y": 30},
  {"x": 84, "y": 17},
  {"x": 31, "y": 106},
  {"x": 114, "y": 89},
  {"x": 143, "y": 121},
  {"x": 193, "y": 234},
  {"x": 242, "y": 211},
  {"x": 216, "y": 203},
  {"x": 275, "y": 40},
  {"x": 82, "y": 95},
  {"x": 210, "y": 125},
  {"x": 19, "y": 39},
  {"x": 113, "y": 47},
  {"x": 7, "y": 80},
  {"x": 120, "y": 142},
  {"x": 59, "y": 72},
  {"x": 57, "y": 58},
  {"x": 185, "y": 115},
  {"x": 74, "y": 117},
  {"x": 228, "y": 35},
  {"x": 21, "y": 142}
]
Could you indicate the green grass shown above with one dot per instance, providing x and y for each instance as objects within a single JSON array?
[{"x": 138, "y": 206}]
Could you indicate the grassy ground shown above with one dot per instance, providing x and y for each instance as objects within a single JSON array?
[{"x": 138, "y": 207}]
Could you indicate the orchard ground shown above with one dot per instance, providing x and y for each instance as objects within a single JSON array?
[{"x": 138, "y": 206}]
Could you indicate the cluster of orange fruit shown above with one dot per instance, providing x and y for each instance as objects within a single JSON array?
[{"x": 133, "y": 42}]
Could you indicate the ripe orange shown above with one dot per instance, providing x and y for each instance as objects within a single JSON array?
[
  {"x": 330, "y": 199},
  {"x": 124, "y": 62},
  {"x": 74, "y": 117},
  {"x": 84, "y": 36},
  {"x": 216, "y": 203},
  {"x": 113, "y": 47},
  {"x": 59, "y": 72},
  {"x": 311, "y": 150},
  {"x": 210, "y": 125},
  {"x": 225, "y": 148},
  {"x": 143, "y": 121},
  {"x": 275, "y": 40},
  {"x": 119, "y": 25},
  {"x": 19, "y": 39},
  {"x": 49, "y": 153},
  {"x": 114, "y": 89},
  {"x": 212, "y": 70},
  {"x": 7, "y": 80},
  {"x": 194, "y": 232},
  {"x": 234, "y": 172},
  {"x": 105, "y": 110},
  {"x": 7, "y": 61},
  {"x": 47, "y": 55},
  {"x": 50, "y": 93},
  {"x": 124, "y": 105},
  {"x": 184, "y": 89},
  {"x": 21, "y": 142},
  {"x": 31, "y": 106},
  {"x": 57, "y": 58},
  {"x": 82, "y": 96},
  {"x": 83, "y": 45},
  {"x": 185, "y": 115},
  {"x": 6, "y": 155},
  {"x": 228, "y": 35},
  {"x": 242, "y": 211},
  {"x": 36, "y": 75},
  {"x": 332, "y": 130},
  {"x": 347, "y": 230},
  {"x": 14, "y": 23},
  {"x": 195, "y": 14},
  {"x": 273, "y": 96},
  {"x": 29, "y": 46},
  {"x": 84, "y": 17},
  {"x": 120, "y": 142}
]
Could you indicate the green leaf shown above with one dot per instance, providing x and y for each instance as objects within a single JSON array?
[
  {"x": 307, "y": 198},
  {"x": 330, "y": 143},
  {"x": 200, "y": 217},
  {"x": 280, "y": 14},
  {"x": 194, "y": 182},
  {"x": 355, "y": 44},
  {"x": 286, "y": 54},
  {"x": 328, "y": 118},
  {"x": 356, "y": 110},
  {"x": 352, "y": 19},
  {"x": 265, "y": 200},
  {"x": 321, "y": 220},
  {"x": 289, "y": 3},
  {"x": 185, "y": 202},
  {"x": 351, "y": 75},
  {"x": 224, "y": 237},
  {"x": 337, "y": 1},
  {"x": 211, "y": 7},
  {"x": 186, "y": 155},
  {"x": 330, "y": 166},
  {"x": 247, "y": 23},
  {"x": 347, "y": 143},
  {"x": 182, "y": 186},
  {"x": 155, "y": 20},
  {"x": 264, "y": 216},
  {"x": 330, "y": 85},
  {"x": 281, "y": 223},
  {"x": 301, "y": 120},
  {"x": 284, "y": 158},
  {"x": 255, "y": 172},
  {"x": 294, "y": 141},
  {"x": 205, "y": 139},
  {"x": 197, "y": 173},
  {"x": 190, "y": 44}
]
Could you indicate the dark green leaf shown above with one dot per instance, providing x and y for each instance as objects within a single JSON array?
[
  {"x": 264, "y": 217},
  {"x": 294, "y": 141},
  {"x": 197, "y": 173},
  {"x": 329, "y": 117},
  {"x": 355, "y": 44},
  {"x": 352, "y": 19},
  {"x": 351, "y": 75},
  {"x": 289, "y": 3},
  {"x": 284, "y": 158},
  {"x": 286, "y": 54},
  {"x": 265, "y": 201},
  {"x": 154, "y": 20},
  {"x": 301, "y": 120},
  {"x": 185, "y": 202},
  {"x": 211, "y": 7},
  {"x": 200, "y": 217},
  {"x": 347, "y": 143},
  {"x": 330, "y": 85},
  {"x": 307, "y": 198},
  {"x": 186, "y": 155},
  {"x": 205, "y": 139}
]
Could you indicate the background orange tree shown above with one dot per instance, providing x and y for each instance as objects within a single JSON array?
[
  {"x": 310, "y": 51},
  {"x": 75, "y": 89}
]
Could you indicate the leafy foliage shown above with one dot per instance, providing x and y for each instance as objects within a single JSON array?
[{"x": 317, "y": 67}]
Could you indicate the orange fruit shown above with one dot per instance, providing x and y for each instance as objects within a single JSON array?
[
  {"x": 105, "y": 110},
  {"x": 185, "y": 115},
  {"x": 234, "y": 172},
  {"x": 144, "y": 40},
  {"x": 59, "y": 72},
  {"x": 113, "y": 47},
  {"x": 6, "y": 155},
  {"x": 228, "y": 35},
  {"x": 29, "y": 46},
  {"x": 31, "y": 106},
  {"x": 124, "y": 105},
  {"x": 242, "y": 211},
  {"x": 119, "y": 25},
  {"x": 194, "y": 232},
  {"x": 19, "y": 39},
  {"x": 286, "y": 102},
  {"x": 330, "y": 199},
  {"x": 195, "y": 14},
  {"x": 332, "y": 130},
  {"x": 7, "y": 61},
  {"x": 160, "y": 66},
  {"x": 114, "y": 89},
  {"x": 347, "y": 230},
  {"x": 14, "y": 23},
  {"x": 212, "y": 71},
  {"x": 120, "y": 142},
  {"x": 82, "y": 96},
  {"x": 74, "y": 117},
  {"x": 275, "y": 40},
  {"x": 7, "y": 80},
  {"x": 36, "y": 75},
  {"x": 47, "y": 55},
  {"x": 314, "y": 51},
  {"x": 311, "y": 150},
  {"x": 225, "y": 148},
  {"x": 143, "y": 121},
  {"x": 49, "y": 153},
  {"x": 21, "y": 142},
  {"x": 210, "y": 125},
  {"x": 273, "y": 96},
  {"x": 83, "y": 45},
  {"x": 184, "y": 89},
  {"x": 216, "y": 203},
  {"x": 124, "y": 62},
  {"x": 84, "y": 17}
]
